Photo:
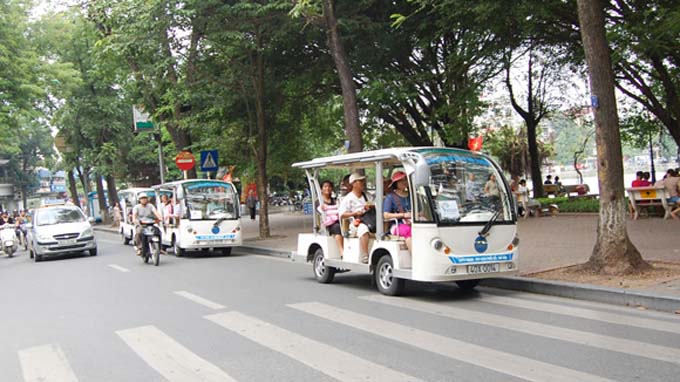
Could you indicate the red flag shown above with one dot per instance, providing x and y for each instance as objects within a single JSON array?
[{"x": 475, "y": 144}]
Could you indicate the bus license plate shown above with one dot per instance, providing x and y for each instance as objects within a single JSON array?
[{"x": 484, "y": 268}]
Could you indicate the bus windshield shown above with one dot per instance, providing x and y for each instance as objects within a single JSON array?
[
  {"x": 210, "y": 200},
  {"x": 464, "y": 188}
]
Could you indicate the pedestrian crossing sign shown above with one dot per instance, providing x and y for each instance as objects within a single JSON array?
[{"x": 209, "y": 160}]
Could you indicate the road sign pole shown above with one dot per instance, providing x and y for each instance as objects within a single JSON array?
[{"x": 160, "y": 157}]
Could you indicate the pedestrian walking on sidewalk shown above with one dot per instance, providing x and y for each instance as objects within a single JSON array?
[{"x": 251, "y": 203}]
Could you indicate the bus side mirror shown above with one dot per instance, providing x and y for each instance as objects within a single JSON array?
[{"x": 91, "y": 220}]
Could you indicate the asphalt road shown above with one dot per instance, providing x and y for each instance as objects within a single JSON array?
[{"x": 258, "y": 318}]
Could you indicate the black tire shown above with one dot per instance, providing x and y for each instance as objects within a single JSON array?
[
  {"x": 323, "y": 273},
  {"x": 126, "y": 240},
  {"x": 37, "y": 258},
  {"x": 226, "y": 251},
  {"x": 93, "y": 252},
  {"x": 179, "y": 252},
  {"x": 156, "y": 253},
  {"x": 384, "y": 277},
  {"x": 10, "y": 254},
  {"x": 467, "y": 285}
]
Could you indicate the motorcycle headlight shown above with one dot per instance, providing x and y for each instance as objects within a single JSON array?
[{"x": 87, "y": 233}]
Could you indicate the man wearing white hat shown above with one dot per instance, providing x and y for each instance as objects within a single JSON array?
[{"x": 354, "y": 204}]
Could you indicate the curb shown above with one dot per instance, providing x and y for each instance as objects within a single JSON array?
[
  {"x": 587, "y": 292},
  {"x": 246, "y": 249}
]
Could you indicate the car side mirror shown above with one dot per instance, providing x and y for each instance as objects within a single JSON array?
[{"x": 91, "y": 220}]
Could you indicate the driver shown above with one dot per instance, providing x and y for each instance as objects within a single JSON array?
[{"x": 143, "y": 210}]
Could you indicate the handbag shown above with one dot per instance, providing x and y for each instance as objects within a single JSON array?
[{"x": 369, "y": 218}]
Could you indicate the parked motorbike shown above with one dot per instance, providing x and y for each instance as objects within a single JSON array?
[
  {"x": 151, "y": 241},
  {"x": 8, "y": 239}
]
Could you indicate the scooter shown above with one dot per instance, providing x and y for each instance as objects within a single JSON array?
[
  {"x": 151, "y": 241},
  {"x": 8, "y": 239}
]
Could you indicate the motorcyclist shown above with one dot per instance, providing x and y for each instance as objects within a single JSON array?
[{"x": 143, "y": 210}]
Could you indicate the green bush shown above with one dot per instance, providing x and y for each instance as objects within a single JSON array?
[{"x": 572, "y": 205}]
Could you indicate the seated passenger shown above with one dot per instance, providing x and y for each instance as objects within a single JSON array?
[
  {"x": 398, "y": 206},
  {"x": 329, "y": 205},
  {"x": 354, "y": 204}
]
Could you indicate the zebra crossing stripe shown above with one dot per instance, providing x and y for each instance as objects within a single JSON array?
[
  {"x": 635, "y": 348},
  {"x": 169, "y": 358},
  {"x": 596, "y": 315},
  {"x": 46, "y": 363},
  {"x": 502, "y": 362},
  {"x": 199, "y": 300},
  {"x": 328, "y": 360}
]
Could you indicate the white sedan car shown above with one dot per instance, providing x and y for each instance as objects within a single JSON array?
[{"x": 59, "y": 230}]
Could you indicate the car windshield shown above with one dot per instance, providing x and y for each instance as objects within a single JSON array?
[
  {"x": 464, "y": 188},
  {"x": 210, "y": 200},
  {"x": 59, "y": 216}
]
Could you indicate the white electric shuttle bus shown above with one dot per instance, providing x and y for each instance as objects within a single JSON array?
[
  {"x": 459, "y": 231},
  {"x": 205, "y": 216}
]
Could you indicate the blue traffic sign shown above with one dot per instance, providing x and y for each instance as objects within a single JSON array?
[{"x": 209, "y": 160}]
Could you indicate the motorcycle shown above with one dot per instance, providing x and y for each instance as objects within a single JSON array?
[
  {"x": 151, "y": 241},
  {"x": 8, "y": 239}
]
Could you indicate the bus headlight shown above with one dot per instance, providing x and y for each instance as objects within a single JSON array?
[
  {"x": 515, "y": 240},
  {"x": 437, "y": 244}
]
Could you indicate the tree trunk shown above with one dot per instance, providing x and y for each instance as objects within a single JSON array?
[
  {"x": 349, "y": 92},
  {"x": 261, "y": 152},
  {"x": 101, "y": 198},
  {"x": 73, "y": 188},
  {"x": 613, "y": 253},
  {"x": 535, "y": 159},
  {"x": 111, "y": 188}
]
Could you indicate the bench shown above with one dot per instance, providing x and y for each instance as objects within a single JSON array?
[
  {"x": 551, "y": 189},
  {"x": 534, "y": 207},
  {"x": 641, "y": 197}
]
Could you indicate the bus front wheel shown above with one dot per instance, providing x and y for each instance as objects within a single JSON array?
[
  {"x": 387, "y": 283},
  {"x": 467, "y": 285},
  {"x": 323, "y": 274}
]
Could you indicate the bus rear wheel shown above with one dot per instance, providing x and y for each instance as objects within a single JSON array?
[
  {"x": 387, "y": 283},
  {"x": 323, "y": 273}
]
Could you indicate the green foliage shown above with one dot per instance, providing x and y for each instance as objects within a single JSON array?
[
  {"x": 511, "y": 149},
  {"x": 572, "y": 205}
]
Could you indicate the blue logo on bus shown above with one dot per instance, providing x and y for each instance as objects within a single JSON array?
[
  {"x": 481, "y": 244},
  {"x": 215, "y": 229}
]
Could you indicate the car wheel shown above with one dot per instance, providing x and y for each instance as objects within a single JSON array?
[
  {"x": 226, "y": 251},
  {"x": 93, "y": 252},
  {"x": 387, "y": 283},
  {"x": 37, "y": 258},
  {"x": 323, "y": 273},
  {"x": 126, "y": 241},
  {"x": 467, "y": 285}
]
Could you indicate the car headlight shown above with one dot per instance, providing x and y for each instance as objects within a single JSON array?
[
  {"x": 43, "y": 237},
  {"x": 87, "y": 233}
]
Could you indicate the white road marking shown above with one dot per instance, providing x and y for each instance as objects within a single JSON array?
[
  {"x": 635, "y": 348},
  {"x": 119, "y": 268},
  {"x": 613, "y": 318},
  {"x": 275, "y": 258},
  {"x": 46, "y": 363},
  {"x": 109, "y": 241},
  {"x": 333, "y": 362},
  {"x": 502, "y": 362},
  {"x": 169, "y": 358},
  {"x": 199, "y": 300}
]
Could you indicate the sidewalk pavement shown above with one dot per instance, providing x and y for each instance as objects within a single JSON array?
[{"x": 545, "y": 243}]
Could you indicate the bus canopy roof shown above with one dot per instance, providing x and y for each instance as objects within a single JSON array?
[{"x": 368, "y": 158}]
